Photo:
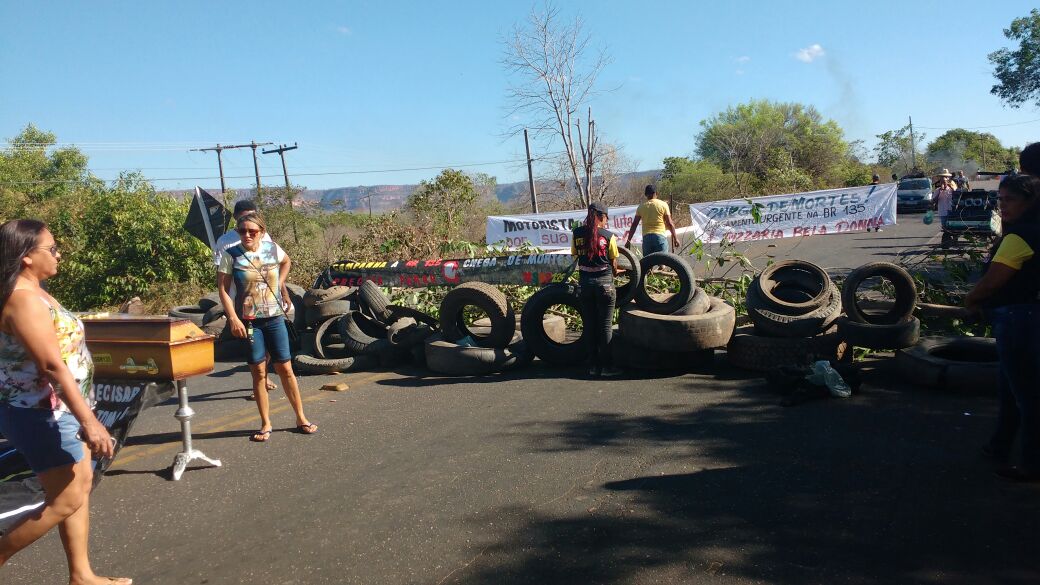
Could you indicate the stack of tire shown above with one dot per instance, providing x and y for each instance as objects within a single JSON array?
[
  {"x": 896, "y": 328},
  {"x": 793, "y": 307},
  {"x": 349, "y": 329},
  {"x": 677, "y": 331},
  {"x": 491, "y": 344}
]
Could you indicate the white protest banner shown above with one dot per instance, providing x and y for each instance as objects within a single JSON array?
[
  {"x": 814, "y": 213},
  {"x": 552, "y": 231}
]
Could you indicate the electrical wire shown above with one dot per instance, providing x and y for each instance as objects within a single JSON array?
[
  {"x": 279, "y": 175},
  {"x": 978, "y": 127}
]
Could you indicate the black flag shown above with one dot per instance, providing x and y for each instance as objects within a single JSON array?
[{"x": 210, "y": 226}]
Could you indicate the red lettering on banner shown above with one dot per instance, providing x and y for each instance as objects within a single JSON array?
[
  {"x": 527, "y": 277},
  {"x": 411, "y": 263},
  {"x": 545, "y": 277},
  {"x": 436, "y": 262},
  {"x": 450, "y": 270}
]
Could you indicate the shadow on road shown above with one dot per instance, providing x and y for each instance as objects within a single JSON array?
[{"x": 881, "y": 488}]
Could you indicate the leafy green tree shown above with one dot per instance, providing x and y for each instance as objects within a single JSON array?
[
  {"x": 128, "y": 241},
  {"x": 749, "y": 139},
  {"x": 896, "y": 149},
  {"x": 1018, "y": 71},
  {"x": 443, "y": 204},
  {"x": 35, "y": 177},
  {"x": 687, "y": 181},
  {"x": 981, "y": 147}
]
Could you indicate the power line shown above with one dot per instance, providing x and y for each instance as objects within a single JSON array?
[
  {"x": 978, "y": 127},
  {"x": 363, "y": 172}
]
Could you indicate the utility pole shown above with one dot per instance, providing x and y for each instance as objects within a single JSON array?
[
  {"x": 289, "y": 195},
  {"x": 220, "y": 163},
  {"x": 281, "y": 152},
  {"x": 256, "y": 168},
  {"x": 530, "y": 174},
  {"x": 913, "y": 146}
]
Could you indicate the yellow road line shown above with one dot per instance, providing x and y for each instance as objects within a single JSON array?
[{"x": 229, "y": 422}]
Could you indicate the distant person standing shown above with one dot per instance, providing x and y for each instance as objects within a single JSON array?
[
  {"x": 962, "y": 182},
  {"x": 596, "y": 251},
  {"x": 1029, "y": 159},
  {"x": 944, "y": 190},
  {"x": 655, "y": 217}
]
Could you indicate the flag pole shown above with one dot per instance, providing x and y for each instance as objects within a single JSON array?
[{"x": 205, "y": 219}]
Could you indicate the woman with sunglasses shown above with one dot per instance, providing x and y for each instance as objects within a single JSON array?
[
  {"x": 46, "y": 398},
  {"x": 259, "y": 270},
  {"x": 597, "y": 252},
  {"x": 1009, "y": 294}
]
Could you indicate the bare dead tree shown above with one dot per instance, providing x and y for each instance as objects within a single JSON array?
[{"x": 555, "y": 76}]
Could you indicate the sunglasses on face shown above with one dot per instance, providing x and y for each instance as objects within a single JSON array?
[
  {"x": 52, "y": 249},
  {"x": 246, "y": 232}
]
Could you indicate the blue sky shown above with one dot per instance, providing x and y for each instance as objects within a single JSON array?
[{"x": 365, "y": 86}]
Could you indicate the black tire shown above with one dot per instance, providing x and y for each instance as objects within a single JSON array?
[
  {"x": 308, "y": 364},
  {"x": 679, "y": 333},
  {"x": 374, "y": 299},
  {"x": 193, "y": 313},
  {"x": 687, "y": 283},
  {"x": 356, "y": 340},
  {"x": 627, "y": 260},
  {"x": 370, "y": 326},
  {"x": 627, "y": 355},
  {"x": 209, "y": 301},
  {"x": 314, "y": 296},
  {"x": 412, "y": 336},
  {"x": 445, "y": 357},
  {"x": 394, "y": 329},
  {"x": 212, "y": 314},
  {"x": 323, "y": 311},
  {"x": 963, "y": 365},
  {"x": 759, "y": 353},
  {"x": 215, "y": 327},
  {"x": 771, "y": 323},
  {"x": 489, "y": 299},
  {"x": 906, "y": 294},
  {"x": 400, "y": 312},
  {"x": 878, "y": 337},
  {"x": 532, "y": 320},
  {"x": 794, "y": 287},
  {"x": 698, "y": 305},
  {"x": 321, "y": 337}
]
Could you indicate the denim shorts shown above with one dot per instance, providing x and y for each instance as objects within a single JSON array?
[
  {"x": 45, "y": 442},
  {"x": 269, "y": 337},
  {"x": 655, "y": 243}
]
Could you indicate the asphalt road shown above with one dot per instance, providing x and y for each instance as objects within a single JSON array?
[{"x": 540, "y": 476}]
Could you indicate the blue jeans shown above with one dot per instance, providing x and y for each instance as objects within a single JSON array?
[
  {"x": 597, "y": 294},
  {"x": 655, "y": 243},
  {"x": 269, "y": 336},
  {"x": 1017, "y": 329},
  {"x": 45, "y": 441}
]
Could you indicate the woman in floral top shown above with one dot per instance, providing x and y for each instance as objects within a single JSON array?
[
  {"x": 259, "y": 269},
  {"x": 46, "y": 398}
]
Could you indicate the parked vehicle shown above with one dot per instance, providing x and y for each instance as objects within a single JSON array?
[
  {"x": 974, "y": 213},
  {"x": 914, "y": 194}
]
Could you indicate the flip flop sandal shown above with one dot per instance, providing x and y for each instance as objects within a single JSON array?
[
  {"x": 308, "y": 429},
  {"x": 265, "y": 435}
]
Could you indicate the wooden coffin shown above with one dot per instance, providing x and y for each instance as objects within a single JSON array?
[{"x": 146, "y": 347}]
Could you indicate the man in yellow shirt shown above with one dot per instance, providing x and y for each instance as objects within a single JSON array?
[{"x": 655, "y": 216}]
